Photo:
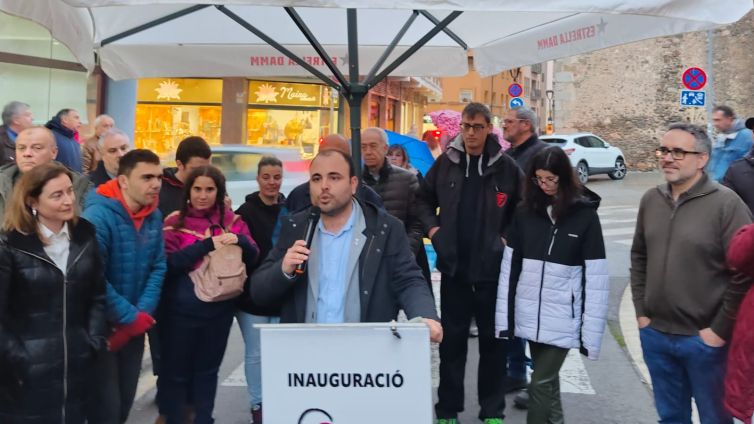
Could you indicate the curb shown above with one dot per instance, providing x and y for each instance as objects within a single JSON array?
[{"x": 630, "y": 331}]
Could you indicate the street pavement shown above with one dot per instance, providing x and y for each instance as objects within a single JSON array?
[{"x": 614, "y": 389}]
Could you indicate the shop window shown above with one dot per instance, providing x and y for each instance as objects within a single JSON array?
[
  {"x": 466, "y": 96},
  {"x": 374, "y": 113},
  {"x": 161, "y": 127}
]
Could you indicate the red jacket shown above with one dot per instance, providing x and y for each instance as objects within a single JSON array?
[{"x": 739, "y": 377}]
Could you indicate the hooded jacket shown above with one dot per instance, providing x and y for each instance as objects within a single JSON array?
[
  {"x": 262, "y": 220},
  {"x": 9, "y": 175},
  {"x": 51, "y": 326},
  {"x": 740, "y": 178},
  {"x": 171, "y": 192},
  {"x": 498, "y": 197},
  {"x": 185, "y": 248},
  {"x": 134, "y": 257},
  {"x": 69, "y": 151},
  {"x": 526, "y": 151},
  {"x": 728, "y": 147},
  {"x": 553, "y": 285}
]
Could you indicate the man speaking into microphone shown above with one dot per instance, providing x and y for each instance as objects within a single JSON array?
[{"x": 358, "y": 267}]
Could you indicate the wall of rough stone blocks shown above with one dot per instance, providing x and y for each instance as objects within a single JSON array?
[{"x": 628, "y": 94}]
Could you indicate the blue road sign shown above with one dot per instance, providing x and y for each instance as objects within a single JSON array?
[
  {"x": 693, "y": 98},
  {"x": 516, "y": 102}
]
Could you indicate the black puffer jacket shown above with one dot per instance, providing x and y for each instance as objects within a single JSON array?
[
  {"x": 740, "y": 178},
  {"x": 397, "y": 187},
  {"x": 50, "y": 327}
]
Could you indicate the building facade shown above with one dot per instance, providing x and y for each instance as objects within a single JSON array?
[{"x": 628, "y": 94}]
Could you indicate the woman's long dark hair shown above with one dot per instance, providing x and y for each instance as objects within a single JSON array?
[
  {"x": 219, "y": 179},
  {"x": 555, "y": 160}
]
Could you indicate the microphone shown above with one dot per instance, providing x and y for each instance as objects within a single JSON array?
[{"x": 309, "y": 235}]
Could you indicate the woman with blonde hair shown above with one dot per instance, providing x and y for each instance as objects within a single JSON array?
[{"x": 52, "y": 301}]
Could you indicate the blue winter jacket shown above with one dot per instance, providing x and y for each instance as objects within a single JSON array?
[
  {"x": 727, "y": 148},
  {"x": 134, "y": 260}
]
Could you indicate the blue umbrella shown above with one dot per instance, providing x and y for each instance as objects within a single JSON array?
[{"x": 417, "y": 150}]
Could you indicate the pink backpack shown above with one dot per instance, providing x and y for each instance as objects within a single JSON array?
[{"x": 222, "y": 273}]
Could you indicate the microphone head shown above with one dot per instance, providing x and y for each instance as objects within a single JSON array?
[{"x": 314, "y": 212}]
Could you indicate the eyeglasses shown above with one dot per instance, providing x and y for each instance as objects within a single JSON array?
[
  {"x": 476, "y": 127},
  {"x": 510, "y": 121},
  {"x": 546, "y": 180},
  {"x": 675, "y": 153}
]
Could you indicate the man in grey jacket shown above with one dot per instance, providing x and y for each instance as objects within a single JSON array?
[
  {"x": 685, "y": 297},
  {"x": 35, "y": 146}
]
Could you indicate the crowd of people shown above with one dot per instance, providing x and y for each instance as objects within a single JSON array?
[{"x": 102, "y": 248}]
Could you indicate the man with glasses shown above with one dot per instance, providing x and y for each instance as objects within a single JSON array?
[
  {"x": 685, "y": 297},
  {"x": 520, "y": 129},
  {"x": 476, "y": 187}
]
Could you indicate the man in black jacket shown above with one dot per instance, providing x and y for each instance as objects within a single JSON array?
[
  {"x": 520, "y": 129},
  {"x": 740, "y": 178},
  {"x": 477, "y": 187},
  {"x": 359, "y": 266},
  {"x": 397, "y": 187},
  {"x": 113, "y": 144}
]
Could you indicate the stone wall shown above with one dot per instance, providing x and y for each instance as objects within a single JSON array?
[{"x": 628, "y": 94}]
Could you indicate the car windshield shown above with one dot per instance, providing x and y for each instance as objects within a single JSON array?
[
  {"x": 554, "y": 140},
  {"x": 237, "y": 166}
]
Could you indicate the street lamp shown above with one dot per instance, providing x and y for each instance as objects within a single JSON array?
[{"x": 550, "y": 123}]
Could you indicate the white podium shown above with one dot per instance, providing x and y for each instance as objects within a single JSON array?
[{"x": 346, "y": 373}]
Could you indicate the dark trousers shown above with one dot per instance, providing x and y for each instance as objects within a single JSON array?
[
  {"x": 544, "y": 390},
  {"x": 683, "y": 367},
  {"x": 517, "y": 358},
  {"x": 192, "y": 350},
  {"x": 115, "y": 376},
  {"x": 459, "y": 301}
]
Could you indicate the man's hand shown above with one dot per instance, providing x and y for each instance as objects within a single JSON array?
[
  {"x": 643, "y": 321},
  {"x": 710, "y": 338},
  {"x": 432, "y": 231},
  {"x": 294, "y": 256},
  {"x": 435, "y": 330}
]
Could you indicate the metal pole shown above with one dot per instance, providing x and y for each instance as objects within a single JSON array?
[
  {"x": 710, "y": 101},
  {"x": 357, "y": 90}
]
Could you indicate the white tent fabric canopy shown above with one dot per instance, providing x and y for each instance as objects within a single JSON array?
[{"x": 503, "y": 33}]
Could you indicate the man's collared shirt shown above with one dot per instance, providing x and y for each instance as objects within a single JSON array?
[
  {"x": 333, "y": 260},
  {"x": 58, "y": 245},
  {"x": 11, "y": 134}
]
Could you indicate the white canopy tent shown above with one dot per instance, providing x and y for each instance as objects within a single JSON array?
[{"x": 334, "y": 38}]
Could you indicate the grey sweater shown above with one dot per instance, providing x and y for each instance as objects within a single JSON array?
[{"x": 678, "y": 274}]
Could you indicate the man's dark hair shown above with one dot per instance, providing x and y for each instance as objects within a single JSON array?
[
  {"x": 474, "y": 108},
  {"x": 726, "y": 110},
  {"x": 750, "y": 123},
  {"x": 129, "y": 161},
  {"x": 351, "y": 168},
  {"x": 555, "y": 160},
  {"x": 192, "y": 147},
  {"x": 62, "y": 113},
  {"x": 268, "y": 161}
]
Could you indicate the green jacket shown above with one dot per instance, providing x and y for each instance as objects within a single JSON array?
[{"x": 678, "y": 274}]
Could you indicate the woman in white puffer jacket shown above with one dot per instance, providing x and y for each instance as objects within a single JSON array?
[{"x": 553, "y": 285}]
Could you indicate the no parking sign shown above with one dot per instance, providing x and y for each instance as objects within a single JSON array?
[{"x": 694, "y": 78}]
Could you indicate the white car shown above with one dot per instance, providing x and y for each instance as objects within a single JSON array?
[{"x": 590, "y": 155}]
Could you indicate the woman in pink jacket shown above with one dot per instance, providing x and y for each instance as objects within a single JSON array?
[{"x": 193, "y": 332}]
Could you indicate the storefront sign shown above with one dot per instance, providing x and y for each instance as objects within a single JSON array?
[
  {"x": 346, "y": 374},
  {"x": 180, "y": 90},
  {"x": 287, "y": 94}
]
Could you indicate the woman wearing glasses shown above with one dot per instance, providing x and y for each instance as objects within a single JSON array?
[{"x": 553, "y": 285}]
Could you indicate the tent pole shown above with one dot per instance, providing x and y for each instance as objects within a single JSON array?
[
  {"x": 413, "y": 49},
  {"x": 356, "y": 90},
  {"x": 152, "y": 24},
  {"x": 447, "y": 32},
  {"x": 392, "y": 45}
]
